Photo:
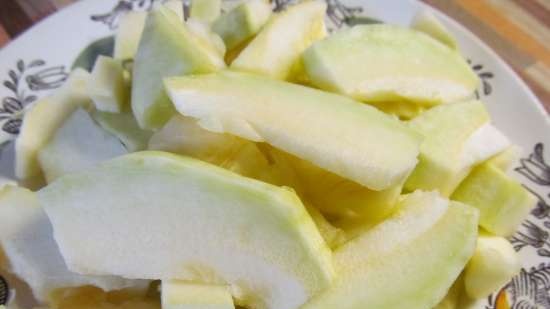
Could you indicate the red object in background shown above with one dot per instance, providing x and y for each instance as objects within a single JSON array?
[{"x": 17, "y": 16}]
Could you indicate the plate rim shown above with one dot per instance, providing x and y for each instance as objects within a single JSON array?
[{"x": 486, "y": 48}]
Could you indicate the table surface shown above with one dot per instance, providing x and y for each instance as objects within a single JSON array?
[{"x": 518, "y": 30}]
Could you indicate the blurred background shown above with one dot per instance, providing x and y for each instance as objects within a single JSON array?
[{"x": 518, "y": 30}]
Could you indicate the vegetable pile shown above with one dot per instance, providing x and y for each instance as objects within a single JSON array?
[{"x": 249, "y": 159}]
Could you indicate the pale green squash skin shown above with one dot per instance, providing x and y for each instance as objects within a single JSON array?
[
  {"x": 124, "y": 126},
  {"x": 197, "y": 221},
  {"x": 415, "y": 274},
  {"x": 446, "y": 129},
  {"x": 494, "y": 263},
  {"x": 350, "y": 139},
  {"x": 207, "y": 10},
  {"x": 276, "y": 50},
  {"x": 242, "y": 23},
  {"x": 385, "y": 63},
  {"x": 177, "y": 294},
  {"x": 167, "y": 48},
  {"x": 502, "y": 201},
  {"x": 78, "y": 144}
]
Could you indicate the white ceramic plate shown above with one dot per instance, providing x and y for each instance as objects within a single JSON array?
[{"x": 38, "y": 62}]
